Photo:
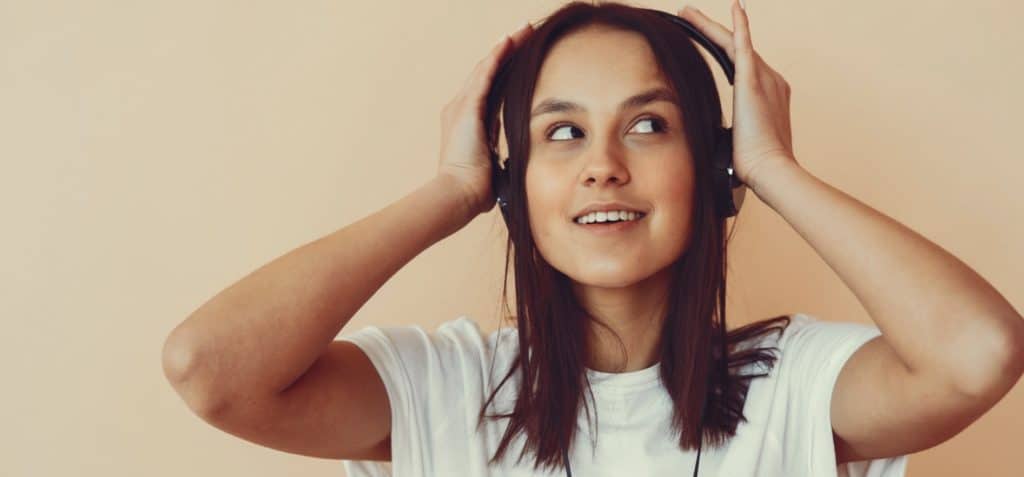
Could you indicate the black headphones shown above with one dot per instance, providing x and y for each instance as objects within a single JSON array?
[{"x": 729, "y": 191}]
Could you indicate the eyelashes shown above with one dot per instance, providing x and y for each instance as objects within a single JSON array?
[{"x": 657, "y": 123}]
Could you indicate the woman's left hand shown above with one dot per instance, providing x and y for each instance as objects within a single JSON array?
[{"x": 760, "y": 121}]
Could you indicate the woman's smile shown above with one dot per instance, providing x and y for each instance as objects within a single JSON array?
[{"x": 610, "y": 228}]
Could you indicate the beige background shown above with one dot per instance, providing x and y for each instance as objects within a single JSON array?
[{"x": 155, "y": 152}]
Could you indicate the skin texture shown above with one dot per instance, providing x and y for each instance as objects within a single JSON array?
[{"x": 604, "y": 154}]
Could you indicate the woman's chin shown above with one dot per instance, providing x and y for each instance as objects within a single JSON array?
[{"x": 611, "y": 276}]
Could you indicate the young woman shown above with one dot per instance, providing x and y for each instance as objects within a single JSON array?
[{"x": 620, "y": 362}]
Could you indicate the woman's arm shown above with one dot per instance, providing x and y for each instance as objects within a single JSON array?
[
  {"x": 951, "y": 345},
  {"x": 260, "y": 334}
]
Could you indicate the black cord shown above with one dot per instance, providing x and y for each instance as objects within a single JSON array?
[
  {"x": 700, "y": 434},
  {"x": 565, "y": 458}
]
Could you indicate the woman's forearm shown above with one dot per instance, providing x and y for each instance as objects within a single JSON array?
[
  {"x": 260, "y": 334},
  {"x": 941, "y": 317}
]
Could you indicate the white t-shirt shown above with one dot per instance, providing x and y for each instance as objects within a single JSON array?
[{"x": 437, "y": 383}]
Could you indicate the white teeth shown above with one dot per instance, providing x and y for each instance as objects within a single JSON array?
[{"x": 609, "y": 216}]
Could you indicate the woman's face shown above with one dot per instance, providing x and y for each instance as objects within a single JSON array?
[{"x": 597, "y": 152}]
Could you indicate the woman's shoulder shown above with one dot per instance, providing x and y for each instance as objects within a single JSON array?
[
  {"x": 466, "y": 330},
  {"x": 460, "y": 339},
  {"x": 763, "y": 333},
  {"x": 800, "y": 340},
  {"x": 779, "y": 330},
  {"x": 760, "y": 345},
  {"x": 415, "y": 350}
]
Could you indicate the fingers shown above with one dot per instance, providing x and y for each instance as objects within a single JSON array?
[
  {"x": 715, "y": 31},
  {"x": 492, "y": 57},
  {"x": 731, "y": 40},
  {"x": 520, "y": 35},
  {"x": 741, "y": 33},
  {"x": 744, "y": 48},
  {"x": 479, "y": 81}
]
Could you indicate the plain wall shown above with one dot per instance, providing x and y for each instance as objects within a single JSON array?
[{"x": 156, "y": 152}]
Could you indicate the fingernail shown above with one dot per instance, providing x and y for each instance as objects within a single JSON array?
[
  {"x": 743, "y": 5},
  {"x": 503, "y": 38}
]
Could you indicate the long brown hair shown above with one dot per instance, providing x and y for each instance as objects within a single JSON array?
[{"x": 551, "y": 323}]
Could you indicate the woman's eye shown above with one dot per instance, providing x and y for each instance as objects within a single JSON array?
[
  {"x": 568, "y": 127},
  {"x": 559, "y": 128},
  {"x": 660, "y": 124}
]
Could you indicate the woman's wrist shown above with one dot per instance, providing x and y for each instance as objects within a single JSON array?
[
  {"x": 468, "y": 204},
  {"x": 762, "y": 178}
]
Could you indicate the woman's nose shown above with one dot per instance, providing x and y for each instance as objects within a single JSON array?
[{"x": 605, "y": 164}]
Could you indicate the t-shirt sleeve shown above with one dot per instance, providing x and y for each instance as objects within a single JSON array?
[
  {"x": 426, "y": 376},
  {"x": 813, "y": 353}
]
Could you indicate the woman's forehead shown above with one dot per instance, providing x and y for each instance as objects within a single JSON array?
[{"x": 598, "y": 68}]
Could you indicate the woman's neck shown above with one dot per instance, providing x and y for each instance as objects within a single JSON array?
[{"x": 634, "y": 314}]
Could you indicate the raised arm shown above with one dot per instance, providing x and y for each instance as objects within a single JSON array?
[
  {"x": 256, "y": 337},
  {"x": 951, "y": 345},
  {"x": 259, "y": 359}
]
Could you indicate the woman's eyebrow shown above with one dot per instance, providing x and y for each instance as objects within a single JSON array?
[{"x": 555, "y": 105}]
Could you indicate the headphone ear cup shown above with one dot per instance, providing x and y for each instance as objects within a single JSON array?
[{"x": 729, "y": 190}]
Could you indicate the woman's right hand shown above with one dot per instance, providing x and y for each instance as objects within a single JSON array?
[{"x": 465, "y": 154}]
